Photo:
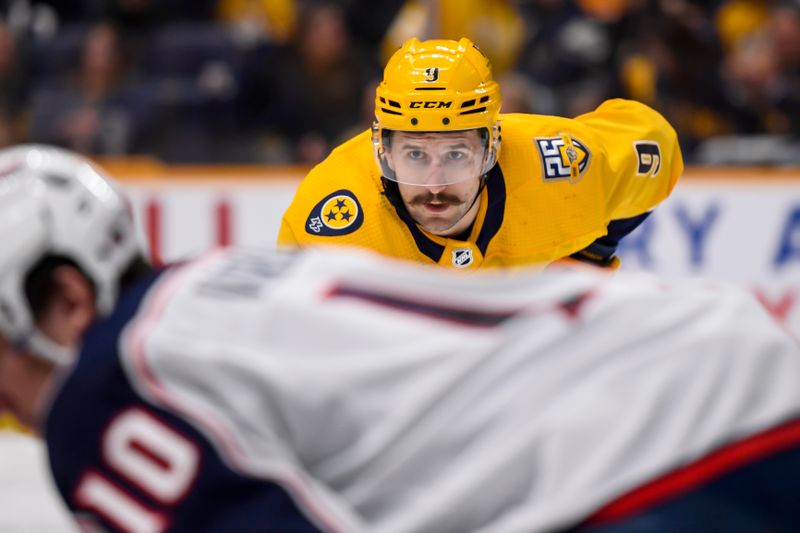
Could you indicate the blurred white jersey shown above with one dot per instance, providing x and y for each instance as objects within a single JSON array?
[{"x": 392, "y": 398}]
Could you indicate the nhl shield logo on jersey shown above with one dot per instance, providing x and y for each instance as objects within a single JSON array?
[
  {"x": 563, "y": 158},
  {"x": 339, "y": 213},
  {"x": 462, "y": 257}
]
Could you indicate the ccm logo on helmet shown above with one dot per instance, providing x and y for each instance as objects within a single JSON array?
[{"x": 431, "y": 105}]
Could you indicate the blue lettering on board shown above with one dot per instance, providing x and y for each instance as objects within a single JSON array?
[
  {"x": 789, "y": 247},
  {"x": 696, "y": 230}
]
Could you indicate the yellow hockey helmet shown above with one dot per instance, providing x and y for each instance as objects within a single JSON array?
[{"x": 437, "y": 85}]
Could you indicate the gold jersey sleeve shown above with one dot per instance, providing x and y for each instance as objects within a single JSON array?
[
  {"x": 642, "y": 154},
  {"x": 557, "y": 185}
]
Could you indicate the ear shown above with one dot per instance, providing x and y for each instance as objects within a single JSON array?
[
  {"x": 72, "y": 307},
  {"x": 387, "y": 154}
]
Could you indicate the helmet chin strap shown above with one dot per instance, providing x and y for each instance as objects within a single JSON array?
[{"x": 39, "y": 345}]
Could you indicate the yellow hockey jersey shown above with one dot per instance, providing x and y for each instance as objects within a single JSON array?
[{"x": 558, "y": 184}]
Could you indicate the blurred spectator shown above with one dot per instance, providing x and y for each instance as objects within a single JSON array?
[
  {"x": 608, "y": 11},
  {"x": 191, "y": 73},
  {"x": 14, "y": 86},
  {"x": 151, "y": 13},
  {"x": 671, "y": 60},
  {"x": 94, "y": 111},
  {"x": 762, "y": 71},
  {"x": 25, "y": 18},
  {"x": 284, "y": 106},
  {"x": 522, "y": 96},
  {"x": 319, "y": 81},
  {"x": 130, "y": 13},
  {"x": 12, "y": 76},
  {"x": 737, "y": 19},
  {"x": 494, "y": 25},
  {"x": 752, "y": 74},
  {"x": 284, "y": 80},
  {"x": 785, "y": 31},
  {"x": 256, "y": 20},
  {"x": 567, "y": 56},
  {"x": 369, "y": 21}
]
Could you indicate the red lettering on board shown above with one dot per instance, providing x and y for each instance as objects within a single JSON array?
[
  {"x": 152, "y": 228},
  {"x": 222, "y": 216}
]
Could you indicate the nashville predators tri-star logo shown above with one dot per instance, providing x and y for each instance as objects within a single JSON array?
[{"x": 339, "y": 213}]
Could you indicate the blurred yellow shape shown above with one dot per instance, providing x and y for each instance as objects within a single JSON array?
[
  {"x": 9, "y": 423},
  {"x": 277, "y": 18},
  {"x": 738, "y": 19},
  {"x": 495, "y": 26},
  {"x": 639, "y": 78}
]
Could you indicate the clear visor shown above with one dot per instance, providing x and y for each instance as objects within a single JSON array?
[{"x": 433, "y": 159}]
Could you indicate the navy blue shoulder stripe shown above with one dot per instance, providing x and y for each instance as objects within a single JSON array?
[{"x": 495, "y": 211}]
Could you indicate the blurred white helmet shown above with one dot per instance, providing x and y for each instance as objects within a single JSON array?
[{"x": 55, "y": 203}]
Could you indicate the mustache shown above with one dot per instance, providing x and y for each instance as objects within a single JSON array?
[{"x": 442, "y": 198}]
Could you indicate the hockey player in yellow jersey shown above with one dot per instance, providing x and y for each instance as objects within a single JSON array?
[{"x": 444, "y": 177}]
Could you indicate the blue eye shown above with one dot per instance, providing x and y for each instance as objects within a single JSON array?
[{"x": 416, "y": 154}]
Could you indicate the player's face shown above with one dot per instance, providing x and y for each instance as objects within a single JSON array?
[
  {"x": 436, "y": 159},
  {"x": 438, "y": 175},
  {"x": 12, "y": 397}
]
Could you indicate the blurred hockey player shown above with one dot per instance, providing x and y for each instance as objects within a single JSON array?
[
  {"x": 432, "y": 182},
  {"x": 334, "y": 391}
]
